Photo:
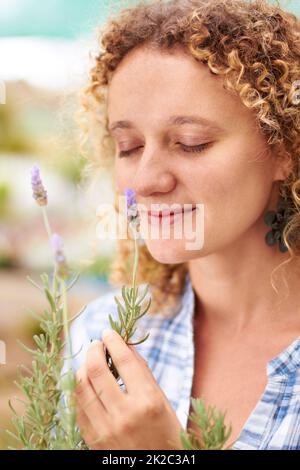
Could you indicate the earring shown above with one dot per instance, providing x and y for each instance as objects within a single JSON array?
[{"x": 277, "y": 221}]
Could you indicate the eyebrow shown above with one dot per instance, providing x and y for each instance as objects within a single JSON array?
[{"x": 172, "y": 121}]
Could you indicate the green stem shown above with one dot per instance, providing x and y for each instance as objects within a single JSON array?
[
  {"x": 54, "y": 288},
  {"x": 46, "y": 221},
  {"x": 49, "y": 232},
  {"x": 65, "y": 320},
  {"x": 136, "y": 259},
  {"x": 135, "y": 265},
  {"x": 70, "y": 413}
]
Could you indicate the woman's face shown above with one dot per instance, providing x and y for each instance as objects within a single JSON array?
[{"x": 231, "y": 172}]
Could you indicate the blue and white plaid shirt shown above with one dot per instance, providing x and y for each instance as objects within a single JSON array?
[{"x": 275, "y": 421}]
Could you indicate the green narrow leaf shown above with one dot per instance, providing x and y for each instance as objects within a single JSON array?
[
  {"x": 50, "y": 299},
  {"x": 31, "y": 351},
  {"x": 127, "y": 303},
  {"x": 112, "y": 322},
  {"x": 70, "y": 320},
  {"x": 45, "y": 280},
  {"x": 34, "y": 283},
  {"x": 13, "y": 435},
  {"x": 122, "y": 321},
  {"x": 144, "y": 295},
  {"x": 72, "y": 283},
  {"x": 145, "y": 311},
  {"x": 140, "y": 341},
  {"x": 119, "y": 303}
]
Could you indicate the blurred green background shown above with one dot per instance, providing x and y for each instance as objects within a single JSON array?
[{"x": 44, "y": 58}]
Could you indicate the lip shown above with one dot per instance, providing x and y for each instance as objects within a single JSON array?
[
  {"x": 171, "y": 216},
  {"x": 169, "y": 213}
]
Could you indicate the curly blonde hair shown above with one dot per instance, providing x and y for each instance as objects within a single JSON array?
[{"x": 254, "y": 45}]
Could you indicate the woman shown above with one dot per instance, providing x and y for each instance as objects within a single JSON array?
[{"x": 228, "y": 69}]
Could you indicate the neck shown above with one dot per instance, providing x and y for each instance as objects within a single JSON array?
[{"x": 233, "y": 287}]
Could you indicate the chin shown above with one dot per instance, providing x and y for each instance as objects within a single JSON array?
[{"x": 171, "y": 251}]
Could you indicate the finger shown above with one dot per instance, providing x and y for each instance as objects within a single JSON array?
[
  {"x": 130, "y": 368},
  {"x": 94, "y": 438},
  {"x": 87, "y": 400},
  {"x": 86, "y": 430},
  {"x": 94, "y": 422},
  {"x": 101, "y": 378}
]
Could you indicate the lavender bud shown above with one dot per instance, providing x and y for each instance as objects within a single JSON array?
[
  {"x": 39, "y": 192},
  {"x": 130, "y": 197},
  {"x": 131, "y": 205}
]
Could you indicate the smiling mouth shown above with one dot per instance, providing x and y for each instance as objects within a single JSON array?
[
  {"x": 170, "y": 217},
  {"x": 165, "y": 214}
]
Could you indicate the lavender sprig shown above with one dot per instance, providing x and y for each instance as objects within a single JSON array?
[
  {"x": 49, "y": 421},
  {"x": 131, "y": 310},
  {"x": 212, "y": 434}
]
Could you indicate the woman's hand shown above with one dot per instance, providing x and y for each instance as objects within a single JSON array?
[{"x": 109, "y": 418}]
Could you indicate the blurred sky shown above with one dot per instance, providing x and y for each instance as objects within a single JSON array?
[
  {"x": 48, "y": 43},
  {"x": 63, "y": 18}
]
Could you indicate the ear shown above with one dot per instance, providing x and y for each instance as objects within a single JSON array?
[{"x": 282, "y": 163}]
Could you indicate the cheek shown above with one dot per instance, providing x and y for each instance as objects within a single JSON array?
[
  {"x": 234, "y": 196},
  {"x": 123, "y": 176}
]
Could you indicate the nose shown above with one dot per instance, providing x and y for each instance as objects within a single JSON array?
[{"x": 154, "y": 174}]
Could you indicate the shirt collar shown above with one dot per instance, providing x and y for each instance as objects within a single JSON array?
[{"x": 287, "y": 362}]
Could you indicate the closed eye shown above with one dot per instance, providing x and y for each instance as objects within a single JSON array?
[
  {"x": 185, "y": 148},
  {"x": 194, "y": 148}
]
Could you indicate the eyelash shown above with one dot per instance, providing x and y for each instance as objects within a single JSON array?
[{"x": 191, "y": 149}]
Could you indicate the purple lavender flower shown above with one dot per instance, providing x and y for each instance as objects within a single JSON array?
[
  {"x": 59, "y": 257},
  {"x": 131, "y": 204},
  {"x": 39, "y": 192},
  {"x": 130, "y": 196}
]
